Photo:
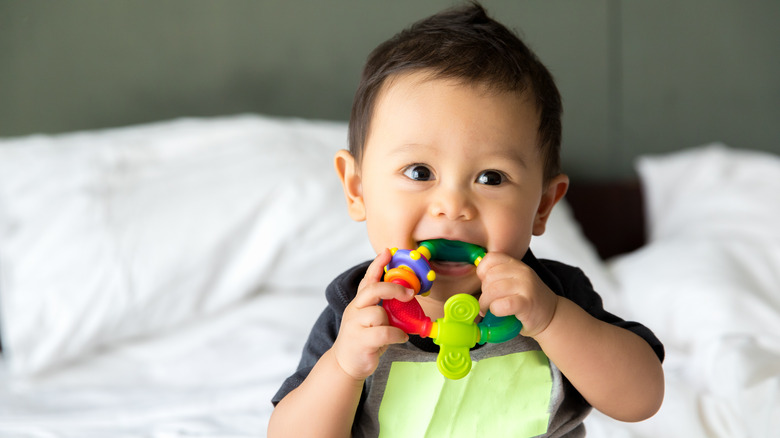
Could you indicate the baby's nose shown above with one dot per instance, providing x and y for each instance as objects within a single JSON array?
[{"x": 453, "y": 204}]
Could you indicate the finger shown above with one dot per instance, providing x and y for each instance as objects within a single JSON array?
[
  {"x": 500, "y": 270},
  {"x": 496, "y": 289},
  {"x": 372, "y": 294},
  {"x": 509, "y": 305},
  {"x": 387, "y": 335},
  {"x": 491, "y": 262},
  {"x": 505, "y": 276},
  {"x": 376, "y": 269},
  {"x": 373, "y": 275},
  {"x": 372, "y": 316}
]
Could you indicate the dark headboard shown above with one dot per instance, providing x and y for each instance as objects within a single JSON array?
[{"x": 611, "y": 214}]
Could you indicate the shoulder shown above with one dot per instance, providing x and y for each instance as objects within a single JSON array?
[
  {"x": 573, "y": 280},
  {"x": 576, "y": 286},
  {"x": 565, "y": 280},
  {"x": 569, "y": 282},
  {"x": 343, "y": 288}
]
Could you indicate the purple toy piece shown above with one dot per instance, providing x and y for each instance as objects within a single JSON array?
[{"x": 417, "y": 263}]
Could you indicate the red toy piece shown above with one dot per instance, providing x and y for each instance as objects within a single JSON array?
[{"x": 408, "y": 316}]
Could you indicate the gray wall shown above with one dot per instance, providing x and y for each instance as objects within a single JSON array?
[{"x": 636, "y": 77}]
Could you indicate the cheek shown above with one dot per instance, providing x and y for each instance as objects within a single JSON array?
[
  {"x": 390, "y": 217},
  {"x": 510, "y": 230},
  {"x": 383, "y": 205}
]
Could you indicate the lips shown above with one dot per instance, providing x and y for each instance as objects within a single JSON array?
[{"x": 452, "y": 269}]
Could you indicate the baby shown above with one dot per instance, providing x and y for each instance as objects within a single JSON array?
[{"x": 455, "y": 134}]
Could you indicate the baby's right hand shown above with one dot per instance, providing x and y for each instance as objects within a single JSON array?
[{"x": 365, "y": 332}]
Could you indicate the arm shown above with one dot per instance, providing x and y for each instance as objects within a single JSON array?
[
  {"x": 615, "y": 370},
  {"x": 324, "y": 404},
  {"x": 328, "y": 397}
]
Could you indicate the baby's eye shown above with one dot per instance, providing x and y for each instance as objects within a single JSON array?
[
  {"x": 418, "y": 172},
  {"x": 490, "y": 178}
]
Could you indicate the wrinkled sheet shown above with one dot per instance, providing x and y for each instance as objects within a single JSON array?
[{"x": 214, "y": 378}]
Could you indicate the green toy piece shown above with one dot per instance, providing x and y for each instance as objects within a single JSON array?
[{"x": 457, "y": 334}]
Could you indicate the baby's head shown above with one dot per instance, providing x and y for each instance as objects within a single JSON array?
[
  {"x": 455, "y": 134},
  {"x": 467, "y": 46}
]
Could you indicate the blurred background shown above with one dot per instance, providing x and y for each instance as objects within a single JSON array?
[{"x": 636, "y": 77}]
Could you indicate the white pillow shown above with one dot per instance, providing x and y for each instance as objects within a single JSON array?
[
  {"x": 115, "y": 234},
  {"x": 712, "y": 265},
  {"x": 712, "y": 191}
]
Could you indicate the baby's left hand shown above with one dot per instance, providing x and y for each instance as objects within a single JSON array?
[{"x": 510, "y": 287}]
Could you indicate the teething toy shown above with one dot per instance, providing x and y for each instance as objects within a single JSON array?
[{"x": 457, "y": 332}]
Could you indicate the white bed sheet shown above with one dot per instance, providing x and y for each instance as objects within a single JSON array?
[
  {"x": 214, "y": 378},
  {"x": 708, "y": 288}
]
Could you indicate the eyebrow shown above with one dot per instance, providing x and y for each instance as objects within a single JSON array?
[
  {"x": 512, "y": 153},
  {"x": 405, "y": 148}
]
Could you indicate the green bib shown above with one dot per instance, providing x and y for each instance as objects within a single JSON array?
[{"x": 501, "y": 396}]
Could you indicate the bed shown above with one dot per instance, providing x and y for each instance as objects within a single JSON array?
[{"x": 159, "y": 280}]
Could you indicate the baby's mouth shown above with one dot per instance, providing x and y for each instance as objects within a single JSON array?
[
  {"x": 452, "y": 251},
  {"x": 452, "y": 258},
  {"x": 451, "y": 269}
]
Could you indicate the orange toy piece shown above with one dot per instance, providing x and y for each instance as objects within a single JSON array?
[{"x": 404, "y": 277}]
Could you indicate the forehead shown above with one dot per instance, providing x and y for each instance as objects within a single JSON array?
[{"x": 420, "y": 108}]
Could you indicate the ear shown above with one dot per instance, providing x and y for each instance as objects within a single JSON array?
[
  {"x": 554, "y": 191},
  {"x": 349, "y": 174}
]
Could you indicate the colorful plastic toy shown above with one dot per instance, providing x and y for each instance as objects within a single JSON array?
[{"x": 457, "y": 332}]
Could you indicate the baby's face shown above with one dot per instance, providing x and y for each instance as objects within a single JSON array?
[{"x": 453, "y": 161}]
